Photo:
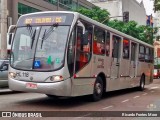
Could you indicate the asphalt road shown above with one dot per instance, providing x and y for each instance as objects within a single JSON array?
[{"x": 128, "y": 100}]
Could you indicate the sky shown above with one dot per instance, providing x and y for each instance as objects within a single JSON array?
[{"x": 148, "y": 4}]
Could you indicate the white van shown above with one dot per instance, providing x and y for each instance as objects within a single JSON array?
[{"x": 4, "y": 73}]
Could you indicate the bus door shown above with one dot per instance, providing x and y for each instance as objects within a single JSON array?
[
  {"x": 133, "y": 66},
  {"x": 125, "y": 64},
  {"x": 115, "y": 62},
  {"x": 83, "y": 51}
]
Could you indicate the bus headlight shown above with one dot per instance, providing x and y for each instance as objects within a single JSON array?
[
  {"x": 56, "y": 78},
  {"x": 12, "y": 75}
]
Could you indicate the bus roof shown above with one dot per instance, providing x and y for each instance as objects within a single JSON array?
[{"x": 78, "y": 15}]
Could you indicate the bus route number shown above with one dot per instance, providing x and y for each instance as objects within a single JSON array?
[{"x": 22, "y": 74}]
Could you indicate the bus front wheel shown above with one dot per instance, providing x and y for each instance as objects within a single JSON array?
[
  {"x": 98, "y": 89},
  {"x": 52, "y": 96}
]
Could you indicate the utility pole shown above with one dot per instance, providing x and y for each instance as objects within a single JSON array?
[{"x": 3, "y": 49}]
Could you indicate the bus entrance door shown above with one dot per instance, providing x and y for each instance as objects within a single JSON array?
[{"x": 115, "y": 64}]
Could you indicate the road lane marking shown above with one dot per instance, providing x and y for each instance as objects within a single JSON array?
[
  {"x": 125, "y": 101},
  {"x": 108, "y": 107},
  {"x": 136, "y": 97},
  {"x": 145, "y": 94},
  {"x": 153, "y": 88}
]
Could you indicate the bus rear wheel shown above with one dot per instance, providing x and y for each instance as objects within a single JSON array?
[
  {"x": 98, "y": 89},
  {"x": 142, "y": 83}
]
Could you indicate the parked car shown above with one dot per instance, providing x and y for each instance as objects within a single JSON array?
[
  {"x": 4, "y": 72},
  {"x": 156, "y": 73}
]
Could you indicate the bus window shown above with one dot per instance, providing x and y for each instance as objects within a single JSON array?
[
  {"x": 125, "y": 48},
  {"x": 108, "y": 44},
  {"x": 151, "y": 55},
  {"x": 133, "y": 52},
  {"x": 99, "y": 41},
  {"x": 83, "y": 51},
  {"x": 147, "y": 56},
  {"x": 141, "y": 53},
  {"x": 116, "y": 46}
]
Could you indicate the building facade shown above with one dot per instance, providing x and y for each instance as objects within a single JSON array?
[
  {"x": 17, "y": 8},
  {"x": 156, "y": 21},
  {"x": 118, "y": 7}
]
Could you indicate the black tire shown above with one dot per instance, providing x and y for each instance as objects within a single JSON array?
[
  {"x": 98, "y": 89},
  {"x": 142, "y": 83},
  {"x": 52, "y": 96}
]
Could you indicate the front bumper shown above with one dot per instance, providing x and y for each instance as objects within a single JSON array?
[{"x": 62, "y": 88}]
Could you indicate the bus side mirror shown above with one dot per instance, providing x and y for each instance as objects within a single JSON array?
[
  {"x": 11, "y": 33},
  {"x": 85, "y": 38},
  {"x": 10, "y": 38}
]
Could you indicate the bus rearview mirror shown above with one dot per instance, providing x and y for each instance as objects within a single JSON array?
[
  {"x": 10, "y": 32},
  {"x": 10, "y": 38}
]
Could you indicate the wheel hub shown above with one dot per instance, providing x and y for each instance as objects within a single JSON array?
[{"x": 98, "y": 88}]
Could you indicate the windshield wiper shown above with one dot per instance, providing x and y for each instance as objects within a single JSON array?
[
  {"x": 33, "y": 38},
  {"x": 32, "y": 35},
  {"x": 29, "y": 28},
  {"x": 47, "y": 33},
  {"x": 43, "y": 38}
]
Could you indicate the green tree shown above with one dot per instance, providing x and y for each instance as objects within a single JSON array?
[
  {"x": 143, "y": 33},
  {"x": 116, "y": 24},
  {"x": 156, "y": 5},
  {"x": 95, "y": 13}
]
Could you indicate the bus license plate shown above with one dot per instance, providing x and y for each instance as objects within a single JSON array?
[{"x": 31, "y": 85}]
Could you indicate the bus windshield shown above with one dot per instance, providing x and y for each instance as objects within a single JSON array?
[{"x": 40, "y": 48}]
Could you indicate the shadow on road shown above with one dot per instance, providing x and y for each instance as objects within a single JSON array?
[
  {"x": 121, "y": 92},
  {"x": 6, "y": 92},
  {"x": 70, "y": 103}
]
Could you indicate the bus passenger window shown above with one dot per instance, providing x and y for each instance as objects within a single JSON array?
[
  {"x": 125, "y": 49},
  {"x": 99, "y": 41},
  {"x": 133, "y": 51},
  {"x": 116, "y": 46},
  {"x": 108, "y": 44},
  {"x": 141, "y": 53},
  {"x": 147, "y": 54},
  {"x": 151, "y": 54}
]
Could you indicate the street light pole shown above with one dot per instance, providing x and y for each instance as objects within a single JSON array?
[{"x": 3, "y": 52}]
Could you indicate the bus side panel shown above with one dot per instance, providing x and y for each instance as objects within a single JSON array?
[
  {"x": 83, "y": 83},
  {"x": 148, "y": 73},
  {"x": 100, "y": 64},
  {"x": 140, "y": 70},
  {"x": 125, "y": 79},
  {"x": 145, "y": 68},
  {"x": 62, "y": 88},
  {"x": 109, "y": 84}
]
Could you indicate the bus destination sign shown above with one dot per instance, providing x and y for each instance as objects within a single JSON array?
[{"x": 45, "y": 20}]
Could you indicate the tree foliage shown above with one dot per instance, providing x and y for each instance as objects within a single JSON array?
[
  {"x": 156, "y": 5},
  {"x": 95, "y": 13},
  {"x": 143, "y": 33}
]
